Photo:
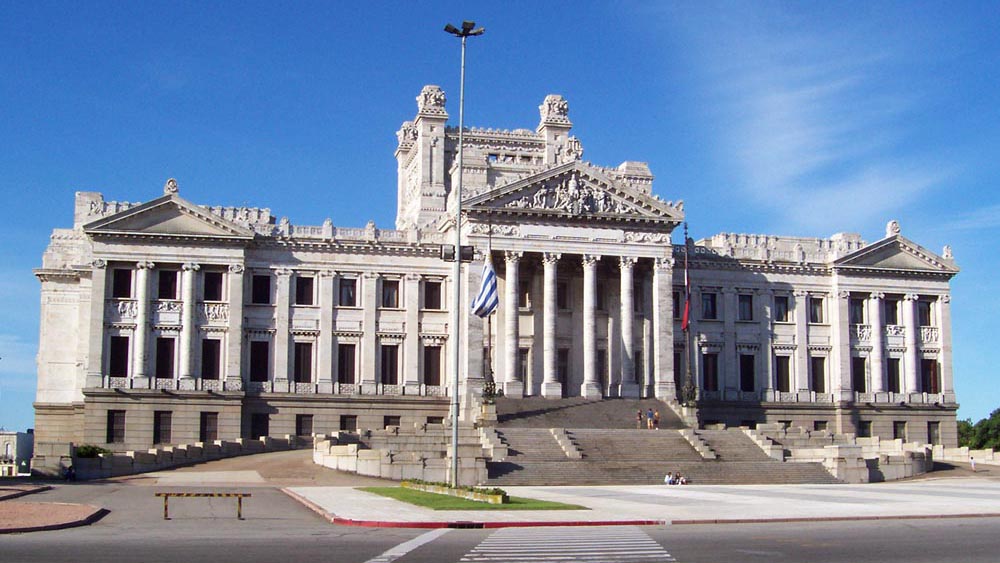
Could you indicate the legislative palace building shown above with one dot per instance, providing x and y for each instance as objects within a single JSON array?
[{"x": 168, "y": 322}]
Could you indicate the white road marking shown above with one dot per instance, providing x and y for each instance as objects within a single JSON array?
[
  {"x": 540, "y": 545},
  {"x": 406, "y": 547}
]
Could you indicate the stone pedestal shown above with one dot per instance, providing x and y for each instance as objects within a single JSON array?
[
  {"x": 513, "y": 389},
  {"x": 552, "y": 390}
]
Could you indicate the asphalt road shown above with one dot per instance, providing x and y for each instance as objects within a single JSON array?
[{"x": 278, "y": 529}]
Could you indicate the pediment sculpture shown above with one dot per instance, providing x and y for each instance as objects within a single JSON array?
[{"x": 570, "y": 194}]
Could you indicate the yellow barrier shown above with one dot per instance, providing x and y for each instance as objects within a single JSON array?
[{"x": 238, "y": 496}]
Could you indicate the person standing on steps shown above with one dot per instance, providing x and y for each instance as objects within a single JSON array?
[
  {"x": 656, "y": 420},
  {"x": 649, "y": 419},
  {"x": 638, "y": 420}
]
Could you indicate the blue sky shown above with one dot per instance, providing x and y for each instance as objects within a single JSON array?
[{"x": 765, "y": 117}]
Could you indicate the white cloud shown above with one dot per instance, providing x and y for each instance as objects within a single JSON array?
[
  {"x": 983, "y": 218},
  {"x": 17, "y": 363}
]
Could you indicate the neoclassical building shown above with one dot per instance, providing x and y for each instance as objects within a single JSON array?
[{"x": 171, "y": 322}]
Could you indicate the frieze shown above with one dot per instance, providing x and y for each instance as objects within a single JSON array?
[
  {"x": 498, "y": 230},
  {"x": 658, "y": 238},
  {"x": 569, "y": 195},
  {"x": 216, "y": 312},
  {"x": 167, "y": 306}
]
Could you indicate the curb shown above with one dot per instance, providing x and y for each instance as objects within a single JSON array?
[
  {"x": 832, "y": 519},
  {"x": 461, "y": 524},
  {"x": 21, "y": 493},
  {"x": 94, "y": 517}
]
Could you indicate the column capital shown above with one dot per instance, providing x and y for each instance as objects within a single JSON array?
[
  {"x": 236, "y": 268},
  {"x": 945, "y": 298},
  {"x": 190, "y": 267},
  {"x": 590, "y": 259},
  {"x": 283, "y": 272},
  {"x": 551, "y": 257},
  {"x": 328, "y": 273},
  {"x": 412, "y": 277},
  {"x": 626, "y": 262},
  {"x": 99, "y": 264},
  {"x": 800, "y": 293},
  {"x": 512, "y": 256},
  {"x": 876, "y": 296},
  {"x": 145, "y": 265},
  {"x": 911, "y": 297},
  {"x": 664, "y": 263},
  {"x": 843, "y": 294}
]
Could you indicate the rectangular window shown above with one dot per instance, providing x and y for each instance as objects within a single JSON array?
[
  {"x": 303, "y": 425},
  {"x": 856, "y": 311},
  {"x": 165, "y": 358},
  {"x": 925, "y": 312},
  {"x": 934, "y": 433},
  {"x": 709, "y": 311},
  {"x": 930, "y": 381},
  {"x": 435, "y": 420},
  {"x": 260, "y": 425},
  {"x": 116, "y": 427},
  {"x": 858, "y": 379},
  {"x": 892, "y": 373},
  {"x": 817, "y": 373},
  {"x": 260, "y": 360},
  {"x": 208, "y": 427},
  {"x": 390, "y": 420},
  {"x": 390, "y": 364},
  {"x": 819, "y": 425},
  {"x": 432, "y": 365},
  {"x": 678, "y": 369},
  {"x": 562, "y": 296},
  {"x": 432, "y": 295},
  {"x": 781, "y": 308},
  {"x": 345, "y": 364},
  {"x": 213, "y": 286},
  {"x": 348, "y": 423},
  {"x": 890, "y": 310},
  {"x": 121, "y": 283},
  {"x": 390, "y": 294},
  {"x": 783, "y": 373},
  {"x": 522, "y": 364},
  {"x": 303, "y": 362},
  {"x": 899, "y": 430},
  {"x": 261, "y": 290},
  {"x": 211, "y": 354},
  {"x": 745, "y": 311},
  {"x": 748, "y": 378},
  {"x": 524, "y": 294},
  {"x": 161, "y": 427},
  {"x": 710, "y": 365},
  {"x": 864, "y": 429},
  {"x": 118, "y": 356},
  {"x": 347, "y": 292},
  {"x": 816, "y": 310},
  {"x": 303, "y": 290},
  {"x": 677, "y": 304},
  {"x": 166, "y": 286}
]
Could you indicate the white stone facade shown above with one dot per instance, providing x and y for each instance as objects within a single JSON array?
[{"x": 167, "y": 322}]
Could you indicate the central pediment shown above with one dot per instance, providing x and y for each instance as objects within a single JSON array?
[
  {"x": 168, "y": 216},
  {"x": 899, "y": 254},
  {"x": 575, "y": 191}
]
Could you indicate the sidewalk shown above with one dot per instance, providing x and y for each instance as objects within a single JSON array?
[
  {"x": 19, "y": 517},
  {"x": 675, "y": 505}
]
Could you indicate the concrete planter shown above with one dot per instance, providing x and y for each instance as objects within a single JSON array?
[{"x": 468, "y": 495}]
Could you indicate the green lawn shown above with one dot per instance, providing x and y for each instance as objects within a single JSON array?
[{"x": 444, "y": 502}]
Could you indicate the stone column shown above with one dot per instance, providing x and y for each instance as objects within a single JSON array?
[
  {"x": 368, "y": 349},
  {"x": 95, "y": 328},
  {"x": 663, "y": 329},
  {"x": 140, "y": 364},
  {"x": 877, "y": 341},
  {"x": 282, "y": 322},
  {"x": 802, "y": 344},
  {"x": 840, "y": 330},
  {"x": 944, "y": 328},
  {"x": 551, "y": 386},
  {"x": 729, "y": 366},
  {"x": 629, "y": 386},
  {"x": 512, "y": 384},
  {"x": 764, "y": 298},
  {"x": 234, "y": 338},
  {"x": 189, "y": 332},
  {"x": 410, "y": 362},
  {"x": 327, "y": 299},
  {"x": 591, "y": 387},
  {"x": 911, "y": 380}
]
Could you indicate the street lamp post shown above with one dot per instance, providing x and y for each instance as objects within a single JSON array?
[{"x": 469, "y": 29}]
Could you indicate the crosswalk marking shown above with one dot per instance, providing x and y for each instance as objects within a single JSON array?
[{"x": 540, "y": 545}]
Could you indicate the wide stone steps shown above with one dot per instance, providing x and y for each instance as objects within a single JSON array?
[
  {"x": 633, "y": 445},
  {"x": 539, "y": 412},
  {"x": 649, "y": 473},
  {"x": 531, "y": 444},
  {"x": 732, "y": 445}
]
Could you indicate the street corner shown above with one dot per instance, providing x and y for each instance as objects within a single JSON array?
[{"x": 20, "y": 517}]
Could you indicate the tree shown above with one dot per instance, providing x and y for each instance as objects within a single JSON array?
[{"x": 985, "y": 434}]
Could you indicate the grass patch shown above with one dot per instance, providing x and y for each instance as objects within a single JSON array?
[{"x": 443, "y": 502}]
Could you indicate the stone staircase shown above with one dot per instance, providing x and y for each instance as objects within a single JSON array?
[{"x": 611, "y": 450}]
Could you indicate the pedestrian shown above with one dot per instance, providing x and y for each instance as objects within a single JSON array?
[
  {"x": 649, "y": 419},
  {"x": 972, "y": 462},
  {"x": 656, "y": 420},
  {"x": 638, "y": 420}
]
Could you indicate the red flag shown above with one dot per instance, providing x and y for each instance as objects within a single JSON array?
[{"x": 686, "y": 319}]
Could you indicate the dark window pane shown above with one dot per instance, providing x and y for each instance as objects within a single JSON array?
[
  {"x": 345, "y": 364},
  {"x": 161, "y": 427},
  {"x": 260, "y": 425},
  {"x": 303, "y": 290},
  {"x": 348, "y": 423},
  {"x": 816, "y": 309},
  {"x": 166, "y": 287},
  {"x": 781, "y": 308},
  {"x": 211, "y": 352},
  {"x": 260, "y": 360},
  {"x": 116, "y": 427},
  {"x": 121, "y": 283},
  {"x": 748, "y": 372},
  {"x": 818, "y": 373},
  {"x": 390, "y": 294},
  {"x": 208, "y": 430},
  {"x": 891, "y": 311},
  {"x": 857, "y": 311},
  {"x": 303, "y": 425},
  {"x": 303, "y": 362},
  {"x": 782, "y": 368},
  {"x": 213, "y": 286},
  {"x": 348, "y": 296},
  {"x": 390, "y": 420},
  {"x": 165, "y": 358},
  {"x": 432, "y": 295},
  {"x": 118, "y": 356},
  {"x": 892, "y": 372},
  {"x": 432, "y": 365},
  {"x": 858, "y": 379},
  {"x": 261, "y": 294},
  {"x": 708, "y": 308},
  {"x": 710, "y": 365},
  {"x": 390, "y": 364}
]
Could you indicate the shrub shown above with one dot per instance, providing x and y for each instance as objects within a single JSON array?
[{"x": 88, "y": 450}]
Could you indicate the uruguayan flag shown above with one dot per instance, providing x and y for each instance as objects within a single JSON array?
[{"x": 487, "y": 300}]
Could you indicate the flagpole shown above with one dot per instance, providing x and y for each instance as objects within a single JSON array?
[{"x": 689, "y": 392}]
